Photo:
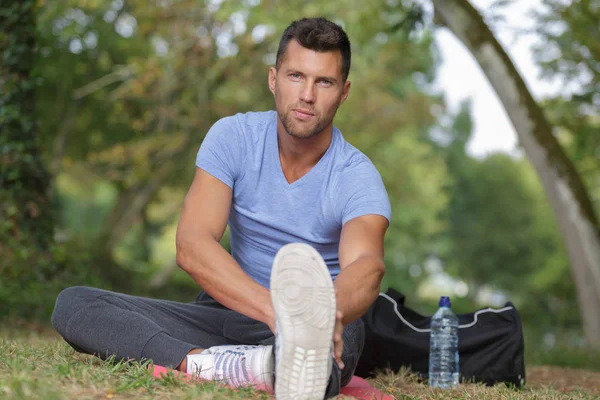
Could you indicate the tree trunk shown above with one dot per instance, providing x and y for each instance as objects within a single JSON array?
[
  {"x": 160, "y": 279},
  {"x": 26, "y": 218},
  {"x": 129, "y": 207},
  {"x": 560, "y": 180},
  {"x": 132, "y": 202}
]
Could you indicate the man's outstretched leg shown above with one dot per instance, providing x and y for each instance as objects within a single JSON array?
[
  {"x": 303, "y": 298},
  {"x": 104, "y": 323}
]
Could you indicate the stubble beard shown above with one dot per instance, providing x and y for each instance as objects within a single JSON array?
[{"x": 292, "y": 128}]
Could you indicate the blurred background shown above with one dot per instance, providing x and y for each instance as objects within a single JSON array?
[{"x": 125, "y": 91}]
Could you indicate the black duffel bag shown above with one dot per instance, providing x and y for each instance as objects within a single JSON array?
[{"x": 490, "y": 342}]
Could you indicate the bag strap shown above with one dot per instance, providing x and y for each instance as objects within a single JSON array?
[{"x": 469, "y": 325}]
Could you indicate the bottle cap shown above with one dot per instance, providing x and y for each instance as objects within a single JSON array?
[{"x": 444, "y": 301}]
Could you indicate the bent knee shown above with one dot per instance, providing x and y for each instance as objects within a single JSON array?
[{"x": 70, "y": 301}]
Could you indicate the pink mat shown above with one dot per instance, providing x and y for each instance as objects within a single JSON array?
[{"x": 358, "y": 387}]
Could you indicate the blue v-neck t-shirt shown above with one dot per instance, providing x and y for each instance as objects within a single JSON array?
[{"x": 267, "y": 212}]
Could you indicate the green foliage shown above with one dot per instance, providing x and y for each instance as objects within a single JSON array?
[
  {"x": 23, "y": 178},
  {"x": 569, "y": 52},
  {"x": 32, "y": 267},
  {"x": 493, "y": 222},
  {"x": 564, "y": 348},
  {"x": 570, "y": 48},
  {"x": 27, "y": 221}
]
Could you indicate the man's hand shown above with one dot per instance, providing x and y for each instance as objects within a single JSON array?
[{"x": 338, "y": 339}]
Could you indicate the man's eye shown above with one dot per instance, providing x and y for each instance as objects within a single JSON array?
[{"x": 295, "y": 76}]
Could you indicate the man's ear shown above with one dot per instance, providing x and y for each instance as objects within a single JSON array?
[
  {"x": 345, "y": 91},
  {"x": 272, "y": 76}
]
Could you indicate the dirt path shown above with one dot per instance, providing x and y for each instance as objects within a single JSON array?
[{"x": 564, "y": 379}]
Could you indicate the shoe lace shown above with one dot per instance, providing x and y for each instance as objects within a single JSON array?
[{"x": 230, "y": 366}]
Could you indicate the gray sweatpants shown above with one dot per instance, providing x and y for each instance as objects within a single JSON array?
[{"x": 105, "y": 323}]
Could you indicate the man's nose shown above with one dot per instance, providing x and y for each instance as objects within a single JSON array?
[{"x": 307, "y": 93}]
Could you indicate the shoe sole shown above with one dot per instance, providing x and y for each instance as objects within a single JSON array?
[{"x": 304, "y": 302}]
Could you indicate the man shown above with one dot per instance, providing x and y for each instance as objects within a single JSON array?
[{"x": 307, "y": 214}]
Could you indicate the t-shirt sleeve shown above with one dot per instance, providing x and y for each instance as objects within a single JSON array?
[
  {"x": 362, "y": 192},
  {"x": 221, "y": 153}
]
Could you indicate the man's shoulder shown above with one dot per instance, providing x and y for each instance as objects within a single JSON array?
[
  {"x": 354, "y": 169},
  {"x": 250, "y": 119},
  {"x": 359, "y": 188},
  {"x": 351, "y": 157},
  {"x": 241, "y": 127}
]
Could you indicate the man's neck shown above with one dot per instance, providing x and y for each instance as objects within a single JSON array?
[{"x": 298, "y": 156}]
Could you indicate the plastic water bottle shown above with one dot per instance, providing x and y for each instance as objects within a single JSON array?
[{"x": 443, "y": 347}]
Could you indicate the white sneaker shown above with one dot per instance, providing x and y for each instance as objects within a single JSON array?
[
  {"x": 235, "y": 366},
  {"x": 304, "y": 302}
]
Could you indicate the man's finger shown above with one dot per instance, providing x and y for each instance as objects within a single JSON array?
[
  {"x": 339, "y": 348},
  {"x": 338, "y": 339}
]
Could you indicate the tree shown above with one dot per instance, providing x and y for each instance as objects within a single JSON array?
[
  {"x": 26, "y": 217},
  {"x": 563, "y": 185}
]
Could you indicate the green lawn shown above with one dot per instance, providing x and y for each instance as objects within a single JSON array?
[{"x": 36, "y": 364}]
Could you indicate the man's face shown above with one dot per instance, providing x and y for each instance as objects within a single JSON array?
[{"x": 308, "y": 89}]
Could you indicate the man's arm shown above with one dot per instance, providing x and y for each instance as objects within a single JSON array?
[
  {"x": 361, "y": 260},
  {"x": 199, "y": 253}
]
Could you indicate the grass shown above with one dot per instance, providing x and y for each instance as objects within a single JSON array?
[{"x": 36, "y": 364}]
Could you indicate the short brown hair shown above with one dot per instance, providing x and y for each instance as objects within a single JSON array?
[{"x": 318, "y": 34}]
